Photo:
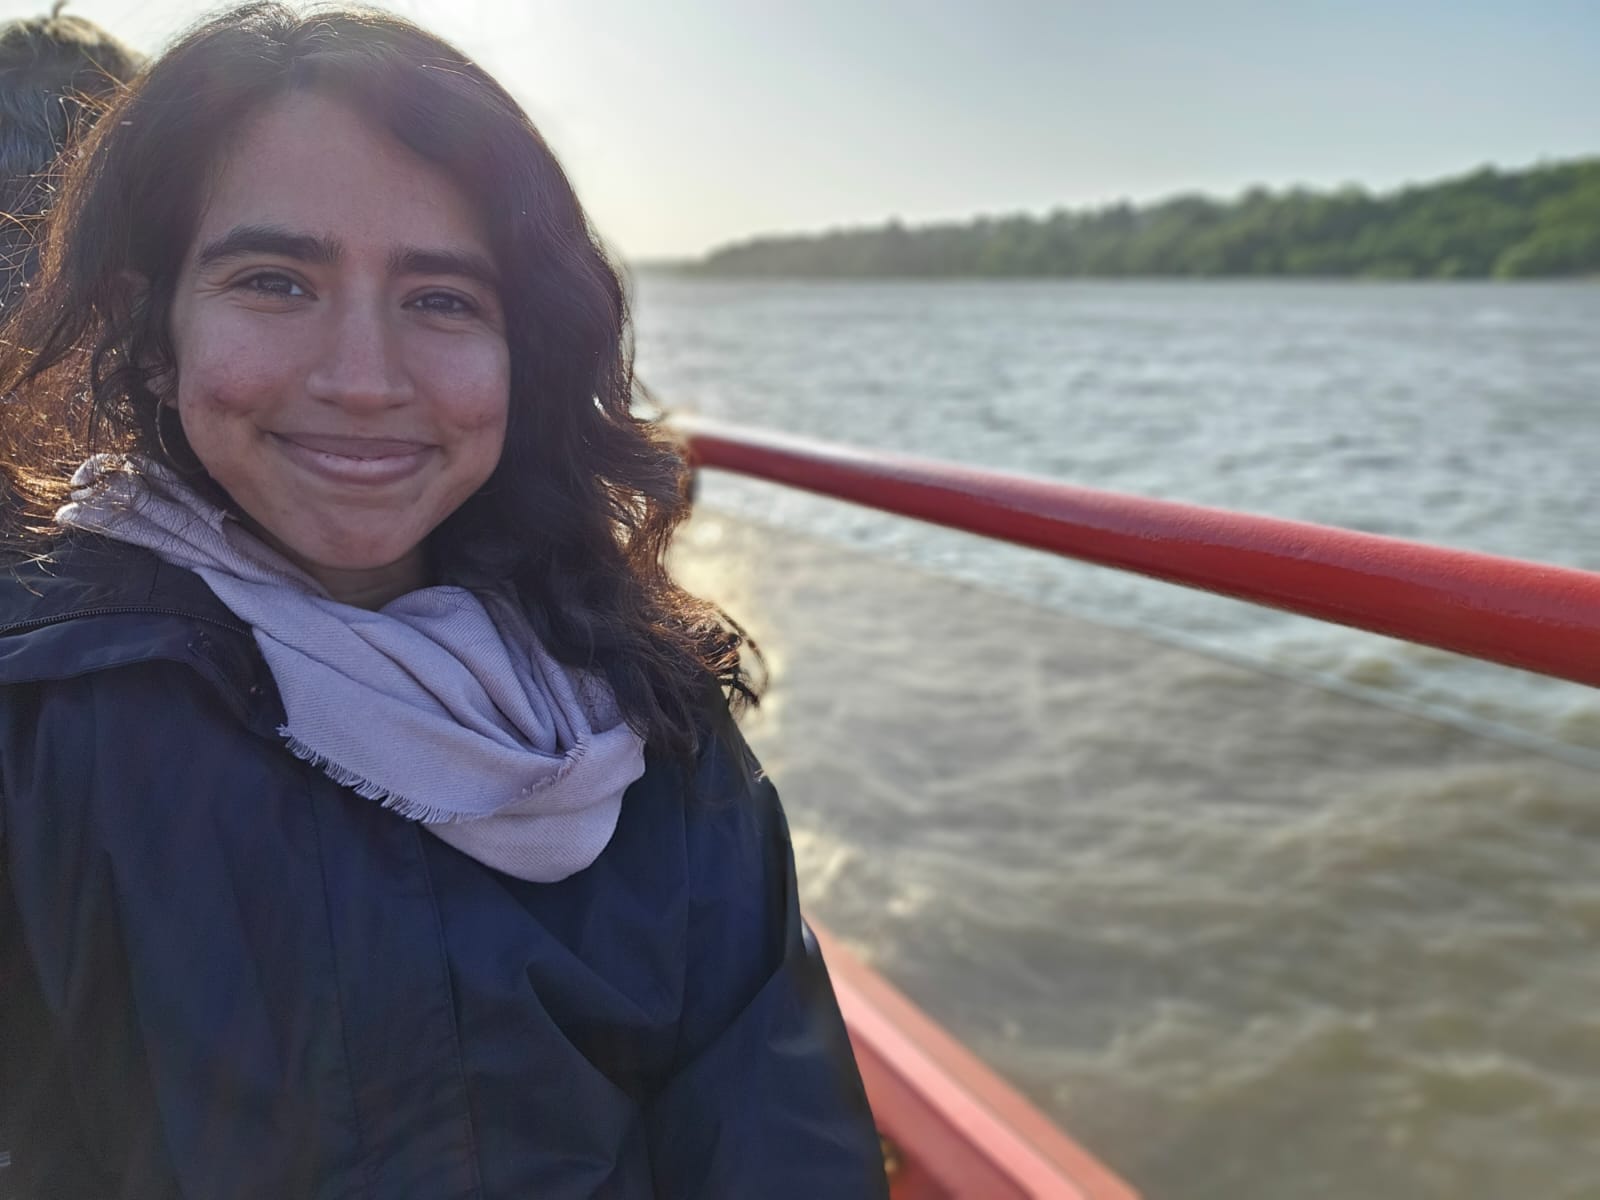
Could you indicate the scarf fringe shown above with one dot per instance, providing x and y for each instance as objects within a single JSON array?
[{"x": 411, "y": 810}]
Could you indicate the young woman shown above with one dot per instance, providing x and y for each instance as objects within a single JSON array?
[{"x": 373, "y": 821}]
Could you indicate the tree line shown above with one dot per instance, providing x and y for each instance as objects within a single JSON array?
[{"x": 1541, "y": 222}]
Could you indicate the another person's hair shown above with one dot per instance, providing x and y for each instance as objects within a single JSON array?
[
  {"x": 56, "y": 74},
  {"x": 580, "y": 510}
]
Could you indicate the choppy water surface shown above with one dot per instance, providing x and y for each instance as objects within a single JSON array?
[
  {"x": 1248, "y": 939},
  {"x": 1462, "y": 414}
]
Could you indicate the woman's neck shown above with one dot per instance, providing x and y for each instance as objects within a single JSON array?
[
  {"x": 363, "y": 587},
  {"x": 373, "y": 588}
]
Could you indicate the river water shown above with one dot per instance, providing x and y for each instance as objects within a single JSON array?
[
  {"x": 1268, "y": 944},
  {"x": 1462, "y": 414}
]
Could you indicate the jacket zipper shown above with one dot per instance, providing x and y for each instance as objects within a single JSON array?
[{"x": 117, "y": 610}]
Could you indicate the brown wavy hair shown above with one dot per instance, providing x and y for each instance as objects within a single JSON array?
[{"x": 580, "y": 510}]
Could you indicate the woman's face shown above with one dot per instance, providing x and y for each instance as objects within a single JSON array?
[{"x": 342, "y": 368}]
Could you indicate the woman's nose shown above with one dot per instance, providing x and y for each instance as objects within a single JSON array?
[{"x": 359, "y": 366}]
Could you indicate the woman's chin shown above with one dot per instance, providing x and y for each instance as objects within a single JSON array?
[{"x": 357, "y": 558}]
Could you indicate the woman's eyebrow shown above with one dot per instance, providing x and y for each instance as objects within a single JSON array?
[
  {"x": 304, "y": 247},
  {"x": 270, "y": 239},
  {"x": 411, "y": 260}
]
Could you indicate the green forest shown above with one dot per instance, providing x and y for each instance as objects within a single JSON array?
[{"x": 1542, "y": 222}]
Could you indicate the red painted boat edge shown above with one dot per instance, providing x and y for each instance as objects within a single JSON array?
[{"x": 952, "y": 1118}]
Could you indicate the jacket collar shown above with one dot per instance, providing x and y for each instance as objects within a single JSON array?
[
  {"x": 85, "y": 574},
  {"x": 94, "y": 603}
]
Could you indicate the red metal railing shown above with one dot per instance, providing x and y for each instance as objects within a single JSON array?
[{"x": 1523, "y": 614}]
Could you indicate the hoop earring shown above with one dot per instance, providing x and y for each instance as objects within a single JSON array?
[{"x": 179, "y": 463}]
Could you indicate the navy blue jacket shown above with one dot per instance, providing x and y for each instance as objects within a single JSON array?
[{"x": 222, "y": 976}]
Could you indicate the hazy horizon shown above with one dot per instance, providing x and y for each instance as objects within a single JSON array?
[
  {"x": 999, "y": 214},
  {"x": 693, "y": 127}
]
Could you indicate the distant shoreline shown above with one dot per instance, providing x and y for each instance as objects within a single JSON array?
[
  {"x": 1541, "y": 222},
  {"x": 688, "y": 269}
]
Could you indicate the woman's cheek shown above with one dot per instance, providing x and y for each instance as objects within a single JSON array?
[
  {"x": 473, "y": 386},
  {"x": 236, "y": 367}
]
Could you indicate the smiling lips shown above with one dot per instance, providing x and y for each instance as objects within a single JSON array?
[{"x": 353, "y": 460}]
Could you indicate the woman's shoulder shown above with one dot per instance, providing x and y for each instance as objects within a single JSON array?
[
  {"x": 80, "y": 573},
  {"x": 84, "y": 576},
  {"x": 58, "y": 572},
  {"x": 93, "y": 606},
  {"x": 704, "y": 830},
  {"x": 739, "y": 860},
  {"x": 728, "y": 786}
]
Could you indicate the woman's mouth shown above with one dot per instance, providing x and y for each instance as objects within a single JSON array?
[{"x": 353, "y": 460}]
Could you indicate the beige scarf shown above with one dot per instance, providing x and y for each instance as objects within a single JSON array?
[{"x": 442, "y": 705}]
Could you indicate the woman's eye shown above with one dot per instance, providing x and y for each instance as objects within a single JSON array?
[
  {"x": 445, "y": 304},
  {"x": 271, "y": 283}
]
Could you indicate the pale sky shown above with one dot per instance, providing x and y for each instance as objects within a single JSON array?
[{"x": 688, "y": 123}]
